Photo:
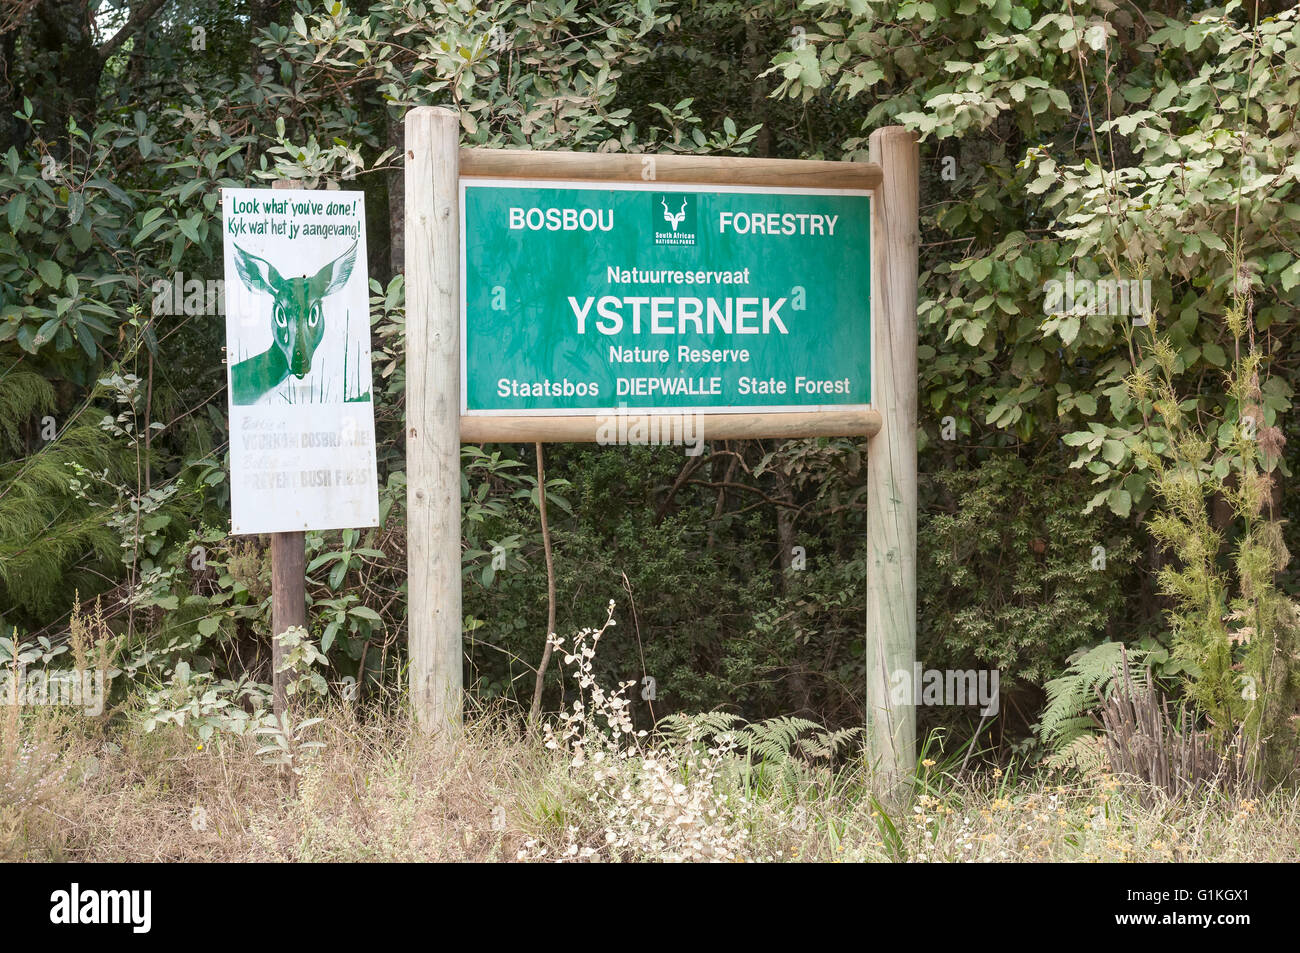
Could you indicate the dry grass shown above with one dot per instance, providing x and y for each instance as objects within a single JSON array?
[{"x": 72, "y": 790}]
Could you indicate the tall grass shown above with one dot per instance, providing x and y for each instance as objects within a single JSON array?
[{"x": 383, "y": 790}]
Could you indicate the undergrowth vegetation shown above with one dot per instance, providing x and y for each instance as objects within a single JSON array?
[
  {"x": 340, "y": 783},
  {"x": 1102, "y": 510}
]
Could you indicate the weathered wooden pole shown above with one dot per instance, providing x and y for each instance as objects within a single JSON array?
[
  {"x": 891, "y": 457},
  {"x": 288, "y": 588},
  {"x": 433, "y": 414},
  {"x": 288, "y": 604}
]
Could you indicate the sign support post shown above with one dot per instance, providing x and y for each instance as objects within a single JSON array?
[
  {"x": 433, "y": 415},
  {"x": 891, "y": 458},
  {"x": 288, "y": 589},
  {"x": 288, "y": 604}
]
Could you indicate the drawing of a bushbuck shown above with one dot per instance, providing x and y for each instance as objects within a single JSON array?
[{"x": 297, "y": 321}]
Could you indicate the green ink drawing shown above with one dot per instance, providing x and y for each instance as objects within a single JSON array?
[{"x": 297, "y": 318}]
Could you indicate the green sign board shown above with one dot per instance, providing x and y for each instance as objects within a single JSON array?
[{"x": 584, "y": 298}]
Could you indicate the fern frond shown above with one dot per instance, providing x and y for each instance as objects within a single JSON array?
[
  {"x": 1086, "y": 754},
  {"x": 774, "y": 741},
  {"x": 1071, "y": 696},
  {"x": 827, "y": 744},
  {"x": 709, "y": 724}
]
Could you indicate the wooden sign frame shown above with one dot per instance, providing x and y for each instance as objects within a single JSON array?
[{"x": 435, "y": 163}]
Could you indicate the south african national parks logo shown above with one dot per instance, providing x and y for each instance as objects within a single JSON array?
[{"x": 673, "y": 218}]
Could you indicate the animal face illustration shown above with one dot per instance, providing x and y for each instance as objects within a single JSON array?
[
  {"x": 670, "y": 218},
  {"x": 297, "y": 313}
]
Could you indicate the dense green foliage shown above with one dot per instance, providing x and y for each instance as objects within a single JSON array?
[{"x": 1086, "y": 137}]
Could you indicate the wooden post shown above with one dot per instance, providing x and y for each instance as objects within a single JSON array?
[
  {"x": 891, "y": 457},
  {"x": 288, "y": 604},
  {"x": 433, "y": 414},
  {"x": 288, "y": 588}
]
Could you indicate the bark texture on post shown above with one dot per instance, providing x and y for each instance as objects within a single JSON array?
[
  {"x": 891, "y": 457},
  {"x": 288, "y": 604},
  {"x": 432, "y": 249},
  {"x": 288, "y": 588}
]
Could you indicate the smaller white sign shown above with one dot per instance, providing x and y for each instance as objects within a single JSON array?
[{"x": 302, "y": 423}]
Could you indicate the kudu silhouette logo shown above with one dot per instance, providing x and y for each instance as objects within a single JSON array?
[
  {"x": 297, "y": 321},
  {"x": 673, "y": 218}
]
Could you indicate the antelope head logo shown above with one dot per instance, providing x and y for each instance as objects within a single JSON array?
[
  {"x": 297, "y": 320},
  {"x": 670, "y": 218}
]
